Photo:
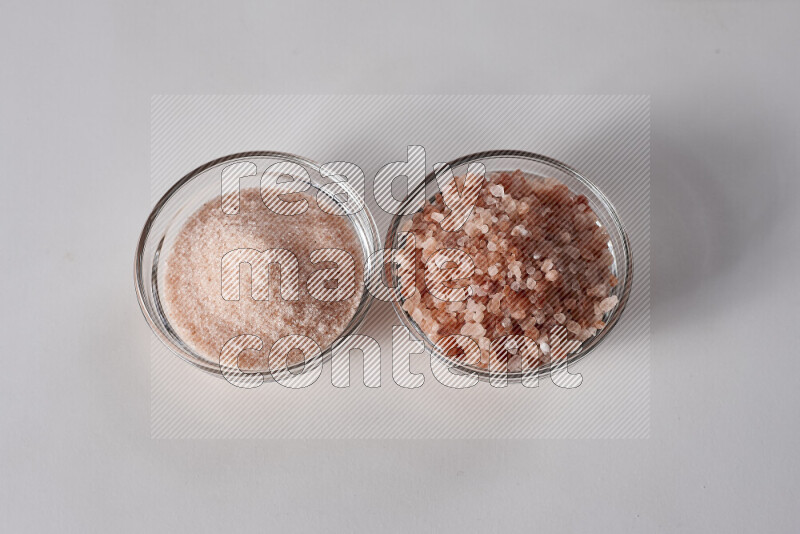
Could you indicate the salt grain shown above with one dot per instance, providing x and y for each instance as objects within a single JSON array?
[
  {"x": 607, "y": 304},
  {"x": 496, "y": 190}
]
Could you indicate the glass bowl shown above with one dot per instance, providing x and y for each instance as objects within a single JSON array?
[
  {"x": 532, "y": 165},
  {"x": 196, "y": 189}
]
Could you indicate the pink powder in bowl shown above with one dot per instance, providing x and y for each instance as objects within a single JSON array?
[{"x": 194, "y": 279}]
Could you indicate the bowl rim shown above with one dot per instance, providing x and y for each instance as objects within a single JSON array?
[
  {"x": 205, "y": 364},
  {"x": 586, "y": 346}
]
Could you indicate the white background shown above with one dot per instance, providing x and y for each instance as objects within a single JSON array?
[{"x": 74, "y": 134}]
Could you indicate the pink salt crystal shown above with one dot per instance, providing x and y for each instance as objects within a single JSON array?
[
  {"x": 496, "y": 190},
  {"x": 485, "y": 345},
  {"x": 494, "y": 304},
  {"x": 547, "y": 265},
  {"x": 607, "y": 304},
  {"x": 473, "y": 330},
  {"x": 552, "y": 275},
  {"x": 573, "y": 327},
  {"x": 493, "y": 270},
  {"x": 530, "y": 283},
  {"x": 512, "y": 346},
  {"x": 474, "y": 311},
  {"x": 519, "y": 230},
  {"x": 438, "y": 217},
  {"x": 529, "y": 327},
  {"x": 560, "y": 318}
]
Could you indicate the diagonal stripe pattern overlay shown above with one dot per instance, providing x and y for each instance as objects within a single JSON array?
[{"x": 605, "y": 137}]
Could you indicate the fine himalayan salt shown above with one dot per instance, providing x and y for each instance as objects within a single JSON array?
[
  {"x": 543, "y": 266},
  {"x": 193, "y": 299}
]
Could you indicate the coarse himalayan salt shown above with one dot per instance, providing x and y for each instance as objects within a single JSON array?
[
  {"x": 543, "y": 264},
  {"x": 205, "y": 321}
]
